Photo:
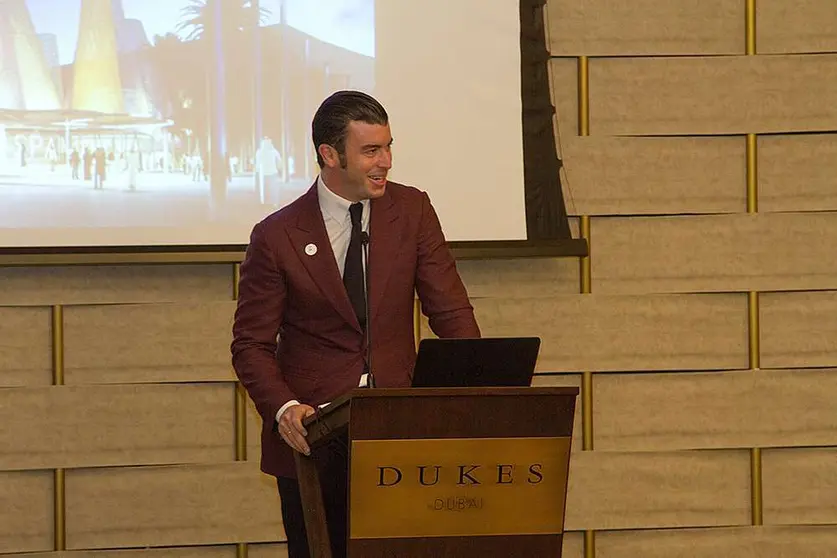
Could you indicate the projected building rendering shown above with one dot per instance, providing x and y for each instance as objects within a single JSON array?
[
  {"x": 96, "y": 82},
  {"x": 202, "y": 105},
  {"x": 25, "y": 78}
]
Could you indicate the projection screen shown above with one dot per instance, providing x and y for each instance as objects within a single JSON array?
[{"x": 184, "y": 122}]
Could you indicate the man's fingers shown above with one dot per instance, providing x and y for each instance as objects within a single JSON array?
[
  {"x": 291, "y": 429},
  {"x": 301, "y": 412},
  {"x": 297, "y": 442},
  {"x": 296, "y": 425}
]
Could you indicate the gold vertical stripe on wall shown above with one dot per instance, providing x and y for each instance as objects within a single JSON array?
[
  {"x": 752, "y": 170},
  {"x": 752, "y": 175},
  {"x": 753, "y": 327},
  {"x": 587, "y": 380},
  {"x": 756, "y": 503},
  {"x": 58, "y": 345},
  {"x": 585, "y": 269},
  {"x": 586, "y": 377},
  {"x": 756, "y": 506},
  {"x": 586, "y": 285},
  {"x": 589, "y": 544},
  {"x": 240, "y": 406},
  {"x": 59, "y": 491},
  {"x": 583, "y": 96},
  {"x": 59, "y": 514},
  {"x": 750, "y": 23},
  {"x": 756, "y": 492},
  {"x": 240, "y": 423}
]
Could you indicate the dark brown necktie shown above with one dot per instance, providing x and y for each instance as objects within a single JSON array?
[{"x": 353, "y": 270}]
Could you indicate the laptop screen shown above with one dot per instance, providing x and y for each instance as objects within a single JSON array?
[{"x": 483, "y": 362}]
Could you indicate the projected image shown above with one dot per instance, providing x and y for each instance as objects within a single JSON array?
[{"x": 157, "y": 113}]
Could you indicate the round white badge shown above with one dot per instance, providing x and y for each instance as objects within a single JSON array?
[{"x": 311, "y": 249}]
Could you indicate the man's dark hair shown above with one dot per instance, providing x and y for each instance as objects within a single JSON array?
[{"x": 331, "y": 122}]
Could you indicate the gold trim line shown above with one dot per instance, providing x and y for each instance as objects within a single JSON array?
[
  {"x": 750, "y": 27},
  {"x": 757, "y": 503},
  {"x": 583, "y": 96},
  {"x": 58, "y": 345},
  {"x": 60, "y": 510}
]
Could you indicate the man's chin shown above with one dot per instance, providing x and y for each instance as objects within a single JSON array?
[{"x": 375, "y": 191}]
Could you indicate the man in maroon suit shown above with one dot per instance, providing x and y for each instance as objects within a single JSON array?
[{"x": 300, "y": 330}]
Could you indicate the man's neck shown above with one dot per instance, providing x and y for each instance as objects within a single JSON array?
[{"x": 334, "y": 184}]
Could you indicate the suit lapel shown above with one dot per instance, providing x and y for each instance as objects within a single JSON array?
[
  {"x": 321, "y": 266},
  {"x": 384, "y": 244}
]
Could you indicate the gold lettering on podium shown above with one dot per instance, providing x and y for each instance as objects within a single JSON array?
[{"x": 458, "y": 487}]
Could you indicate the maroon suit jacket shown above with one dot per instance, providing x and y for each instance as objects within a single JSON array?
[{"x": 285, "y": 291}]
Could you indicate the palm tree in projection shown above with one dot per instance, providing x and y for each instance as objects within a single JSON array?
[
  {"x": 223, "y": 28},
  {"x": 179, "y": 87}
]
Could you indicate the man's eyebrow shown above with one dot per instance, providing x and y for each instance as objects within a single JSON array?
[{"x": 375, "y": 145}]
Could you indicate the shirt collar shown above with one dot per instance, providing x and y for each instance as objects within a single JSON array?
[{"x": 333, "y": 206}]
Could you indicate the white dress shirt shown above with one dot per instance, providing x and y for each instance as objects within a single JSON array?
[{"x": 338, "y": 224}]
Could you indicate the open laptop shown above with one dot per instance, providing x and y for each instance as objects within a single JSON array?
[{"x": 484, "y": 362}]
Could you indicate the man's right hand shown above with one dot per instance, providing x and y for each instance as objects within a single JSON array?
[{"x": 290, "y": 427}]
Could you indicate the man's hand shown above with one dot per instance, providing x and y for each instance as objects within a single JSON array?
[{"x": 290, "y": 427}]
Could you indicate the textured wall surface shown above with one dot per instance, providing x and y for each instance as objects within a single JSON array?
[{"x": 706, "y": 347}]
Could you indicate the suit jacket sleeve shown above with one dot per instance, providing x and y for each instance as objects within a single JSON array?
[
  {"x": 258, "y": 317},
  {"x": 443, "y": 296}
]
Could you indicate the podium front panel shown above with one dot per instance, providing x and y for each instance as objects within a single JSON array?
[{"x": 459, "y": 473}]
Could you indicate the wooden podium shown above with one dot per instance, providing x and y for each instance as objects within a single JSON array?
[{"x": 449, "y": 472}]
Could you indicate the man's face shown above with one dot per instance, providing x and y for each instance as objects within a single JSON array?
[{"x": 362, "y": 172}]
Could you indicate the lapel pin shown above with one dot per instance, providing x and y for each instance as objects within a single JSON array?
[{"x": 311, "y": 249}]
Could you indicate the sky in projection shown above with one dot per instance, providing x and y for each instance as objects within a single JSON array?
[{"x": 346, "y": 23}]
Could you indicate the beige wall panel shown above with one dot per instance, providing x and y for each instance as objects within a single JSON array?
[
  {"x": 634, "y": 412},
  {"x": 564, "y": 77},
  {"x": 573, "y": 545},
  {"x": 566, "y": 380},
  {"x": 26, "y": 504},
  {"x": 799, "y": 486},
  {"x": 622, "y": 333},
  {"x": 741, "y": 409},
  {"x": 797, "y": 541},
  {"x": 115, "y": 284},
  {"x": 520, "y": 278},
  {"x": 25, "y": 346},
  {"x": 630, "y": 176},
  {"x": 779, "y": 251},
  {"x": 798, "y": 329},
  {"x": 712, "y": 95},
  {"x": 794, "y": 408},
  {"x": 162, "y": 506},
  {"x": 611, "y": 490},
  {"x": 738, "y": 542},
  {"x": 267, "y": 551},
  {"x": 171, "y": 552},
  {"x": 148, "y": 343},
  {"x": 72, "y": 426},
  {"x": 798, "y": 173},
  {"x": 798, "y": 26},
  {"x": 642, "y": 27},
  {"x": 741, "y": 542},
  {"x": 254, "y": 432},
  {"x": 735, "y": 542}
]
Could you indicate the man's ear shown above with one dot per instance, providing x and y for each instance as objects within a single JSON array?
[{"x": 330, "y": 156}]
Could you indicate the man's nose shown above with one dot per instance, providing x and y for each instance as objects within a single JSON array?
[{"x": 385, "y": 159}]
